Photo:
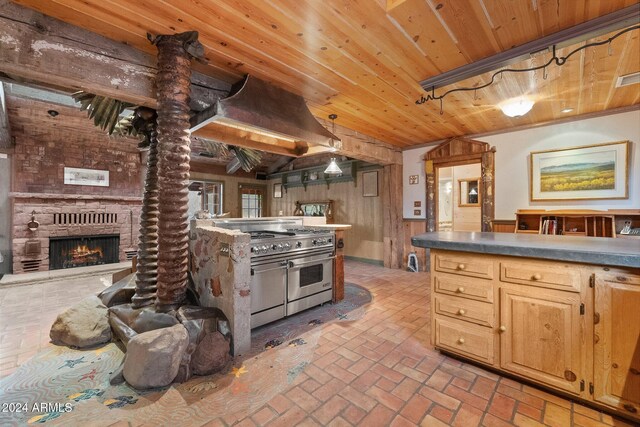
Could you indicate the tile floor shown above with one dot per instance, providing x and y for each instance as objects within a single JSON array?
[{"x": 377, "y": 370}]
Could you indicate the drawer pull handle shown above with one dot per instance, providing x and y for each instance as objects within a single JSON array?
[
  {"x": 460, "y": 290},
  {"x": 461, "y": 312},
  {"x": 502, "y": 328},
  {"x": 460, "y": 340},
  {"x": 536, "y": 276},
  {"x": 461, "y": 266}
]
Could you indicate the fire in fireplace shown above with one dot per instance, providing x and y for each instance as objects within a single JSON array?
[{"x": 70, "y": 252}]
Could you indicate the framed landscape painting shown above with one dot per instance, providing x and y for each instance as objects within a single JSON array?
[{"x": 581, "y": 173}]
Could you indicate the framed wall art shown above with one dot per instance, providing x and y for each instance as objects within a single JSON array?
[
  {"x": 370, "y": 184},
  {"x": 78, "y": 176},
  {"x": 277, "y": 191},
  {"x": 589, "y": 172}
]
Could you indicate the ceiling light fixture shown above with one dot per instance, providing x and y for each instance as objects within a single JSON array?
[
  {"x": 517, "y": 107},
  {"x": 554, "y": 60},
  {"x": 333, "y": 168},
  {"x": 566, "y": 110}
]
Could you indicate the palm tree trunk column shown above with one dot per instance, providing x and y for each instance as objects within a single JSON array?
[
  {"x": 147, "y": 267},
  {"x": 173, "y": 86}
]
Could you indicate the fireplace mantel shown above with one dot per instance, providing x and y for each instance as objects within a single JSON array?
[{"x": 59, "y": 196}]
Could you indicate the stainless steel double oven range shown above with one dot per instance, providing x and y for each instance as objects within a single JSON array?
[{"x": 291, "y": 267}]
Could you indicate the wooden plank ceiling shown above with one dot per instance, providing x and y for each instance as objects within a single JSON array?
[{"x": 363, "y": 59}]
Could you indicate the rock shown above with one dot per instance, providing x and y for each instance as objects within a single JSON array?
[
  {"x": 83, "y": 325},
  {"x": 153, "y": 358},
  {"x": 120, "y": 329},
  {"x": 120, "y": 292},
  {"x": 149, "y": 320},
  {"x": 211, "y": 355}
]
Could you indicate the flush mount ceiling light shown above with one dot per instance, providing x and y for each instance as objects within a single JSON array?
[
  {"x": 516, "y": 107},
  {"x": 566, "y": 110},
  {"x": 333, "y": 168}
]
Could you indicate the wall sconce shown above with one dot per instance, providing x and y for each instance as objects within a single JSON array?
[{"x": 33, "y": 224}]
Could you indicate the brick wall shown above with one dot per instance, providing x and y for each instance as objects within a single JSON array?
[{"x": 46, "y": 144}]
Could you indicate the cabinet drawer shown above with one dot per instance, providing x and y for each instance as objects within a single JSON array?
[
  {"x": 467, "y": 288},
  {"x": 464, "y": 339},
  {"x": 464, "y": 309},
  {"x": 465, "y": 265},
  {"x": 546, "y": 275}
]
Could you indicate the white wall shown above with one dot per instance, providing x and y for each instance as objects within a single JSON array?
[{"x": 512, "y": 163}]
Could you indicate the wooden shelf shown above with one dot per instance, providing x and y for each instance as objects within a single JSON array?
[
  {"x": 590, "y": 223},
  {"x": 303, "y": 177}
]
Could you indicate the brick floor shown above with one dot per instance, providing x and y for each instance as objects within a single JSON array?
[{"x": 379, "y": 370}]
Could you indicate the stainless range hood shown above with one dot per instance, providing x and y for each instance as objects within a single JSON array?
[{"x": 259, "y": 113}]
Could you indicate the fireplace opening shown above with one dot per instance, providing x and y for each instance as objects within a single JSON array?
[{"x": 70, "y": 252}]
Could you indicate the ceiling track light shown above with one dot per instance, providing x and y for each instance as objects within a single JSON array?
[{"x": 555, "y": 60}]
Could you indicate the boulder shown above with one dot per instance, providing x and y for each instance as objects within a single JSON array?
[
  {"x": 153, "y": 358},
  {"x": 148, "y": 320},
  {"x": 211, "y": 354},
  {"x": 83, "y": 325}
]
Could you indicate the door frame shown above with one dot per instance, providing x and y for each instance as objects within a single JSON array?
[{"x": 457, "y": 152}]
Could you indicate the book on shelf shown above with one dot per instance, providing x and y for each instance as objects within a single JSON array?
[{"x": 550, "y": 226}]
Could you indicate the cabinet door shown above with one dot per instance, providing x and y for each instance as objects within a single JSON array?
[
  {"x": 541, "y": 336},
  {"x": 617, "y": 342}
]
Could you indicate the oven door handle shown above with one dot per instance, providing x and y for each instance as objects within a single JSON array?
[
  {"x": 281, "y": 265},
  {"x": 296, "y": 264}
]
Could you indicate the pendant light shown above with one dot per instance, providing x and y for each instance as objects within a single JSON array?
[{"x": 333, "y": 168}]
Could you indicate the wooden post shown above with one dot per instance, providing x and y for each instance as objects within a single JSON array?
[
  {"x": 338, "y": 268},
  {"x": 173, "y": 83},
  {"x": 430, "y": 207},
  {"x": 392, "y": 219},
  {"x": 488, "y": 189},
  {"x": 5, "y": 134},
  {"x": 147, "y": 266}
]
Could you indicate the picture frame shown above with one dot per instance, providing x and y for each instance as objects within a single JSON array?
[
  {"x": 589, "y": 172},
  {"x": 88, "y": 177},
  {"x": 277, "y": 191},
  {"x": 414, "y": 179},
  {"x": 469, "y": 192},
  {"x": 370, "y": 184}
]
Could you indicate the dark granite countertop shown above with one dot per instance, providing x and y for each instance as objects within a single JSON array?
[{"x": 589, "y": 250}]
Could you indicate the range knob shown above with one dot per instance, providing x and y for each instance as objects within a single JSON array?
[
  {"x": 287, "y": 246},
  {"x": 314, "y": 242},
  {"x": 274, "y": 247},
  {"x": 264, "y": 248},
  {"x": 280, "y": 247},
  {"x": 299, "y": 245},
  {"x": 255, "y": 249}
]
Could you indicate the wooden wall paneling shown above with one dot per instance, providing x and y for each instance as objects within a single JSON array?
[
  {"x": 365, "y": 214},
  {"x": 410, "y": 229},
  {"x": 503, "y": 226},
  {"x": 392, "y": 220}
]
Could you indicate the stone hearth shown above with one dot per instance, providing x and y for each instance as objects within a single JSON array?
[{"x": 66, "y": 215}]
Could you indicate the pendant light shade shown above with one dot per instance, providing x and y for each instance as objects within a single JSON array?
[
  {"x": 517, "y": 107},
  {"x": 333, "y": 168}
]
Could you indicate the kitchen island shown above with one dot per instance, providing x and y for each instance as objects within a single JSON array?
[{"x": 559, "y": 311}]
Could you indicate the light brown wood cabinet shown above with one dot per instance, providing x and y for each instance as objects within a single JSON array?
[
  {"x": 540, "y": 336},
  {"x": 570, "y": 327},
  {"x": 617, "y": 341}
]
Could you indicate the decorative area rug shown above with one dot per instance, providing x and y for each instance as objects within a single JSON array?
[{"x": 61, "y": 386}]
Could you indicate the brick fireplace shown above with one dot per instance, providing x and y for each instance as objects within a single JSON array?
[{"x": 67, "y": 216}]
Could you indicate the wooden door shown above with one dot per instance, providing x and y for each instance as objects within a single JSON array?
[
  {"x": 541, "y": 336},
  {"x": 617, "y": 342}
]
